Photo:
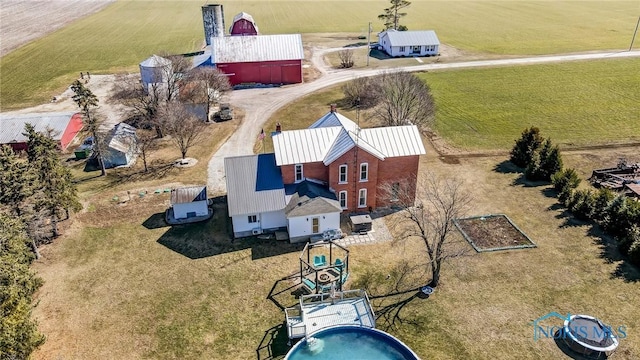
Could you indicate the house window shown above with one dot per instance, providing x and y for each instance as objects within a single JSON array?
[
  {"x": 364, "y": 172},
  {"x": 401, "y": 48},
  {"x": 299, "y": 175},
  {"x": 315, "y": 225},
  {"x": 253, "y": 219},
  {"x": 362, "y": 198},
  {"x": 342, "y": 174},
  {"x": 342, "y": 197},
  {"x": 395, "y": 191}
]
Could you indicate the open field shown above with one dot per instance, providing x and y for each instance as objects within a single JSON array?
[
  {"x": 119, "y": 284},
  {"x": 576, "y": 104},
  {"x": 25, "y": 21},
  {"x": 127, "y": 32}
]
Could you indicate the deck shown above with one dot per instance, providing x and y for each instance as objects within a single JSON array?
[{"x": 320, "y": 311}]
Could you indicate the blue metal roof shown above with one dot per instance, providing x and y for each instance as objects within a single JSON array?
[{"x": 269, "y": 175}]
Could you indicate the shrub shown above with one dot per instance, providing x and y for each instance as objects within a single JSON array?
[
  {"x": 583, "y": 204},
  {"x": 544, "y": 163},
  {"x": 564, "y": 181},
  {"x": 633, "y": 238},
  {"x": 603, "y": 199},
  {"x": 525, "y": 147}
]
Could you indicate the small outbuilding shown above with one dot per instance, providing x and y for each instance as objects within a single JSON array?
[
  {"x": 63, "y": 127},
  {"x": 189, "y": 202},
  {"x": 312, "y": 209},
  {"x": 409, "y": 43},
  {"x": 243, "y": 24},
  {"x": 121, "y": 146}
]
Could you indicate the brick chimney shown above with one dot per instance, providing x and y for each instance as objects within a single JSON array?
[{"x": 333, "y": 108}]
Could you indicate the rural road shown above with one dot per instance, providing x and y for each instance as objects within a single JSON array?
[{"x": 260, "y": 104}]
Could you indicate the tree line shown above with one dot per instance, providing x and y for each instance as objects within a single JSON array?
[
  {"x": 36, "y": 192},
  {"x": 617, "y": 214}
]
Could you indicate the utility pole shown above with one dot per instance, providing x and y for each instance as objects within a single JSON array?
[
  {"x": 632, "y": 39},
  {"x": 369, "y": 43}
]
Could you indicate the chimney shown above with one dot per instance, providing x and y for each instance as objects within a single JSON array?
[{"x": 333, "y": 108}]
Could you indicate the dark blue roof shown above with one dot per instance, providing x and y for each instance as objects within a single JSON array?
[
  {"x": 269, "y": 176},
  {"x": 310, "y": 190}
]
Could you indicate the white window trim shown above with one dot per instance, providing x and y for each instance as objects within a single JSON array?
[
  {"x": 295, "y": 173},
  {"x": 360, "y": 197},
  {"x": 346, "y": 174},
  {"x": 360, "y": 172},
  {"x": 345, "y": 199},
  {"x": 252, "y": 222}
]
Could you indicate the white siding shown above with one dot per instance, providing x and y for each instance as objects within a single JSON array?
[
  {"x": 272, "y": 220},
  {"x": 268, "y": 220},
  {"x": 301, "y": 227},
  {"x": 199, "y": 207}
]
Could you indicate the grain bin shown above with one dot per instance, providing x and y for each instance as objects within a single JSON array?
[{"x": 154, "y": 70}]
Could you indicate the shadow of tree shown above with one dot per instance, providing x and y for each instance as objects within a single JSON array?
[
  {"x": 507, "y": 167},
  {"x": 274, "y": 343}
]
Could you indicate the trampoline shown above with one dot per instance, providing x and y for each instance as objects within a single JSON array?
[{"x": 587, "y": 335}]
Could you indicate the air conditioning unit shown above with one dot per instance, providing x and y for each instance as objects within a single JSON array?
[{"x": 256, "y": 231}]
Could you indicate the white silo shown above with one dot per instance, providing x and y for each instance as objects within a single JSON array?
[
  {"x": 154, "y": 70},
  {"x": 213, "y": 21}
]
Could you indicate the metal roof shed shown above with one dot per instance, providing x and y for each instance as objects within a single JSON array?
[{"x": 63, "y": 126}]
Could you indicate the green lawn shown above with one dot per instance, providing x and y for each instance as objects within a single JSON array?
[
  {"x": 127, "y": 32},
  {"x": 582, "y": 103}
]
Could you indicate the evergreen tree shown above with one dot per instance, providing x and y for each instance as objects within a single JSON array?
[
  {"x": 391, "y": 16},
  {"x": 56, "y": 190},
  {"x": 87, "y": 101},
  {"x": 525, "y": 147},
  {"x": 19, "y": 335},
  {"x": 15, "y": 180}
]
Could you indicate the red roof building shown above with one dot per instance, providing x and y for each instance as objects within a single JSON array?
[{"x": 63, "y": 127}]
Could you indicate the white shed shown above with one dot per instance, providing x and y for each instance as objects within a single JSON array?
[
  {"x": 189, "y": 202},
  {"x": 409, "y": 43}
]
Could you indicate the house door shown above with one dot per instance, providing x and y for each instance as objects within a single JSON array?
[
  {"x": 315, "y": 225},
  {"x": 416, "y": 50}
]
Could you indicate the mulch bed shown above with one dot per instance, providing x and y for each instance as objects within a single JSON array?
[{"x": 492, "y": 232}]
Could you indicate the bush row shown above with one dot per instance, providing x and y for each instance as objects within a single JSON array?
[{"x": 617, "y": 214}]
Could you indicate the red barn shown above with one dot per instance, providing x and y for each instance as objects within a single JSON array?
[
  {"x": 262, "y": 59},
  {"x": 243, "y": 24},
  {"x": 62, "y": 126}
]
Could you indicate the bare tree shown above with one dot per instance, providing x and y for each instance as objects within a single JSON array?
[
  {"x": 429, "y": 216},
  {"x": 143, "y": 103},
  {"x": 363, "y": 92},
  {"x": 146, "y": 142},
  {"x": 185, "y": 129},
  {"x": 205, "y": 85},
  {"x": 173, "y": 76},
  {"x": 404, "y": 100},
  {"x": 87, "y": 102},
  {"x": 346, "y": 58}
]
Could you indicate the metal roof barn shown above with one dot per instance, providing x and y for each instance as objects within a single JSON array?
[
  {"x": 263, "y": 59},
  {"x": 63, "y": 126}
]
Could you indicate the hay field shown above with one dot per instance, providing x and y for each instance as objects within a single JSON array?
[{"x": 127, "y": 32}]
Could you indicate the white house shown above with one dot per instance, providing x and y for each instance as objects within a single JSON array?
[
  {"x": 189, "y": 202},
  {"x": 409, "y": 43},
  {"x": 259, "y": 201}
]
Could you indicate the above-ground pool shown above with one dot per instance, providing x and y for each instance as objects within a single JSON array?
[{"x": 350, "y": 343}]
